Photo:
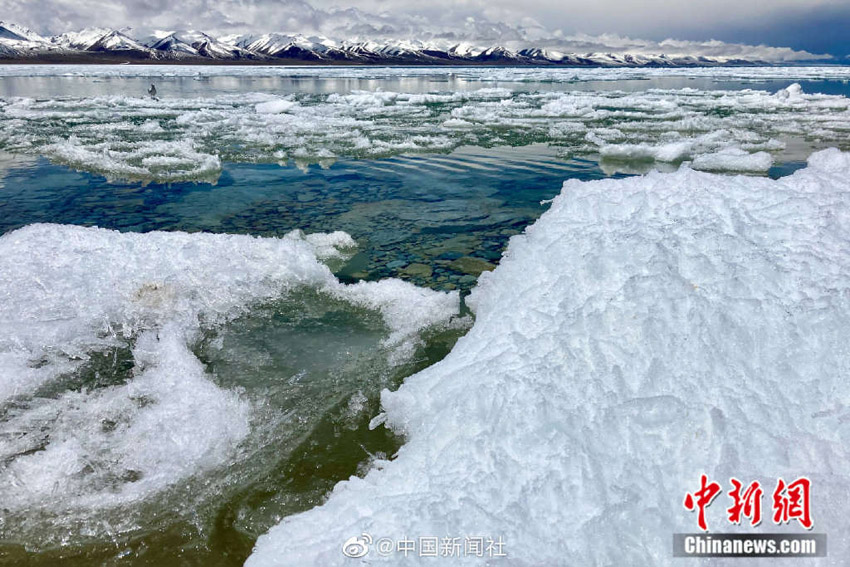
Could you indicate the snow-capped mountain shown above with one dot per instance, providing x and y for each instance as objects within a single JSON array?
[
  {"x": 107, "y": 45},
  {"x": 206, "y": 45},
  {"x": 170, "y": 44},
  {"x": 102, "y": 40},
  {"x": 17, "y": 41},
  {"x": 14, "y": 32},
  {"x": 284, "y": 46}
]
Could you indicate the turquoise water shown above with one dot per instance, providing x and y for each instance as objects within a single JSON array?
[{"x": 428, "y": 210}]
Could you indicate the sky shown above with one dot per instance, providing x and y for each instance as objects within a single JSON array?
[{"x": 812, "y": 26}]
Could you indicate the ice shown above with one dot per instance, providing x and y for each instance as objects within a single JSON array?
[
  {"x": 643, "y": 331},
  {"x": 161, "y": 160},
  {"x": 70, "y": 290},
  {"x": 274, "y": 106},
  {"x": 672, "y": 152},
  {"x": 405, "y": 308},
  {"x": 179, "y": 139},
  {"x": 72, "y": 296},
  {"x": 333, "y": 245},
  {"x": 793, "y": 91},
  {"x": 734, "y": 159},
  {"x": 830, "y": 161},
  {"x": 89, "y": 450}
]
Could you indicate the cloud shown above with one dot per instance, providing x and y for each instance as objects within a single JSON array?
[
  {"x": 672, "y": 47},
  {"x": 509, "y": 23}
]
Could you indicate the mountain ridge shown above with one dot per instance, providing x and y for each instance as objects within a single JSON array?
[{"x": 104, "y": 45}]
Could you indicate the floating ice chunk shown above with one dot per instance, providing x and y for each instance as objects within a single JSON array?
[
  {"x": 643, "y": 331},
  {"x": 734, "y": 159},
  {"x": 151, "y": 126},
  {"x": 791, "y": 92},
  {"x": 321, "y": 154},
  {"x": 457, "y": 123},
  {"x": 275, "y": 106},
  {"x": 492, "y": 93},
  {"x": 672, "y": 152},
  {"x": 568, "y": 106},
  {"x": 363, "y": 98},
  {"x": 70, "y": 291},
  {"x": 163, "y": 160},
  {"x": 676, "y": 151},
  {"x": 830, "y": 161}
]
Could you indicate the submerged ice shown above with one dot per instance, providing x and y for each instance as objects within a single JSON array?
[
  {"x": 103, "y": 400},
  {"x": 642, "y": 332},
  {"x": 174, "y": 139}
]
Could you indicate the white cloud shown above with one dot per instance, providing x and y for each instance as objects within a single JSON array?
[{"x": 509, "y": 23}]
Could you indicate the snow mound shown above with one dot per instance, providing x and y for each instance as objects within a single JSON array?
[
  {"x": 642, "y": 332},
  {"x": 73, "y": 294}
]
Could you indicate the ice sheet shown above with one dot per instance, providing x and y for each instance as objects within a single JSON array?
[{"x": 642, "y": 332}]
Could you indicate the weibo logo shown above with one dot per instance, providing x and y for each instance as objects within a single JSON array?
[{"x": 357, "y": 546}]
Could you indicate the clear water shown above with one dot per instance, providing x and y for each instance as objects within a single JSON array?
[
  {"x": 312, "y": 368},
  {"x": 430, "y": 210}
]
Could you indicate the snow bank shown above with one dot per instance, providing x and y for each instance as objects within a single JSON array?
[
  {"x": 642, "y": 332},
  {"x": 70, "y": 292}
]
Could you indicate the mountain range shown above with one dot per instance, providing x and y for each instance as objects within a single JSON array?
[{"x": 103, "y": 45}]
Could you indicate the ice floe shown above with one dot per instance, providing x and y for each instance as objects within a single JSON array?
[
  {"x": 734, "y": 159},
  {"x": 175, "y": 139},
  {"x": 642, "y": 332}
]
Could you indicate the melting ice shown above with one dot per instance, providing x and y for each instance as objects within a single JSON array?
[{"x": 77, "y": 298}]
